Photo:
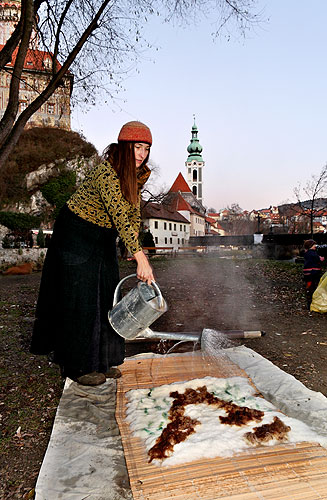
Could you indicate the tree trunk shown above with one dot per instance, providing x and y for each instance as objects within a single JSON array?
[
  {"x": 10, "y": 114},
  {"x": 9, "y": 140}
]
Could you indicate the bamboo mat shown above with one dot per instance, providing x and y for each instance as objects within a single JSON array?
[{"x": 282, "y": 472}]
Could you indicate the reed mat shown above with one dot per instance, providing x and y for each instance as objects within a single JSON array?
[{"x": 282, "y": 472}]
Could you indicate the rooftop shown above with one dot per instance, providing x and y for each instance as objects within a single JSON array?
[
  {"x": 181, "y": 185},
  {"x": 158, "y": 211}
]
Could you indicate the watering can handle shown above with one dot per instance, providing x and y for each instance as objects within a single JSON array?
[{"x": 153, "y": 283}]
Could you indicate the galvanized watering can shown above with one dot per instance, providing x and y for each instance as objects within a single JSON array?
[{"x": 137, "y": 310}]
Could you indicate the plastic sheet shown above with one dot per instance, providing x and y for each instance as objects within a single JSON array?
[
  {"x": 85, "y": 458},
  {"x": 319, "y": 297},
  {"x": 281, "y": 389}
]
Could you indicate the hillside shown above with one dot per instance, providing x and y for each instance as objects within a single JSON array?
[{"x": 38, "y": 146}]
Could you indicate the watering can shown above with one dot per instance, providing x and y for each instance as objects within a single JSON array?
[{"x": 137, "y": 310}]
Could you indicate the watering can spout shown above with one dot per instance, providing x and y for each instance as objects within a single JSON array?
[
  {"x": 198, "y": 337},
  {"x": 178, "y": 336}
]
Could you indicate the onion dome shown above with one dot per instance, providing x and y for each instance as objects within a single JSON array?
[{"x": 194, "y": 149}]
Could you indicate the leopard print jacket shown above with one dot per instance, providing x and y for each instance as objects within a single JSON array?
[{"x": 99, "y": 200}]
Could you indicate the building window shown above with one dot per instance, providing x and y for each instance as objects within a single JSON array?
[
  {"x": 182, "y": 241},
  {"x": 184, "y": 228},
  {"x": 178, "y": 240},
  {"x": 51, "y": 108},
  {"x": 174, "y": 227},
  {"x": 169, "y": 226},
  {"x": 22, "y": 105},
  {"x": 47, "y": 63},
  {"x": 165, "y": 225},
  {"x": 156, "y": 240},
  {"x": 181, "y": 227},
  {"x": 170, "y": 240},
  {"x": 194, "y": 190},
  {"x": 165, "y": 241},
  {"x": 195, "y": 175},
  {"x": 155, "y": 224}
]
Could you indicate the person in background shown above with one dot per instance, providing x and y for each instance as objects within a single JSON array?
[
  {"x": 80, "y": 272},
  {"x": 311, "y": 268}
]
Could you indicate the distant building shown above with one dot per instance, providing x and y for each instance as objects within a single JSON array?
[
  {"x": 168, "y": 227},
  {"x": 213, "y": 227},
  {"x": 181, "y": 213},
  {"x": 55, "y": 112},
  {"x": 181, "y": 199}
]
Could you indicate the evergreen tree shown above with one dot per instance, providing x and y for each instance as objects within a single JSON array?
[{"x": 40, "y": 240}]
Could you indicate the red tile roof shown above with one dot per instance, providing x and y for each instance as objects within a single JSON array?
[
  {"x": 177, "y": 202},
  {"x": 180, "y": 184},
  {"x": 180, "y": 204},
  {"x": 210, "y": 220},
  {"x": 34, "y": 60}
]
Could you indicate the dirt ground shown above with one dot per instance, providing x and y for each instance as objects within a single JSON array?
[{"x": 201, "y": 292}]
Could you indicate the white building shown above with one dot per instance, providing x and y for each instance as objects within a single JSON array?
[{"x": 168, "y": 227}]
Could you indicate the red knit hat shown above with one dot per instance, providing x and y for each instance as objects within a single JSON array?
[{"x": 135, "y": 132}]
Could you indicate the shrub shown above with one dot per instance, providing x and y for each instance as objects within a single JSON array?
[
  {"x": 58, "y": 190},
  {"x": 38, "y": 146},
  {"x": 7, "y": 241},
  {"x": 19, "y": 222}
]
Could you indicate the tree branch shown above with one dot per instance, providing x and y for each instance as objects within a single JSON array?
[
  {"x": 13, "y": 103},
  {"x": 12, "y": 138},
  {"x": 13, "y": 41}
]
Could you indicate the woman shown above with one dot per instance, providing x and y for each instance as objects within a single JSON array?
[{"x": 80, "y": 272}]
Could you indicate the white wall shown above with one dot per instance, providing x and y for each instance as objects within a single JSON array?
[
  {"x": 13, "y": 256},
  {"x": 168, "y": 233},
  {"x": 197, "y": 225}
]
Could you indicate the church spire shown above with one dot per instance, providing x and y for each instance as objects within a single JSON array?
[
  {"x": 195, "y": 163},
  {"x": 194, "y": 149}
]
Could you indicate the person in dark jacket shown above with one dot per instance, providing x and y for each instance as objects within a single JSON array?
[
  {"x": 311, "y": 268},
  {"x": 80, "y": 272}
]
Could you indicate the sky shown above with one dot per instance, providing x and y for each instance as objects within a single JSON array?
[{"x": 260, "y": 104}]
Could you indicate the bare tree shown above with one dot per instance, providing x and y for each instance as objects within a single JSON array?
[
  {"x": 234, "y": 210},
  {"x": 98, "y": 40},
  {"x": 313, "y": 190}
]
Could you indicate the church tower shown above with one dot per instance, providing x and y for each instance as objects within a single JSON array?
[{"x": 195, "y": 164}]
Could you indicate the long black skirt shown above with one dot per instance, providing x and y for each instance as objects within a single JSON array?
[{"x": 79, "y": 278}]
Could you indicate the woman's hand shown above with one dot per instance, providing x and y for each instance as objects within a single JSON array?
[{"x": 144, "y": 271}]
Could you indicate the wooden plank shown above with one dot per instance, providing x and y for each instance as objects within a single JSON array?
[{"x": 282, "y": 472}]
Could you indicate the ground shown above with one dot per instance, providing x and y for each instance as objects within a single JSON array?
[{"x": 201, "y": 292}]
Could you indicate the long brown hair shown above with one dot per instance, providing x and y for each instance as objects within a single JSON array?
[{"x": 121, "y": 157}]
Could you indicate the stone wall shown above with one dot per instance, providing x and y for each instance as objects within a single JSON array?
[{"x": 13, "y": 256}]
